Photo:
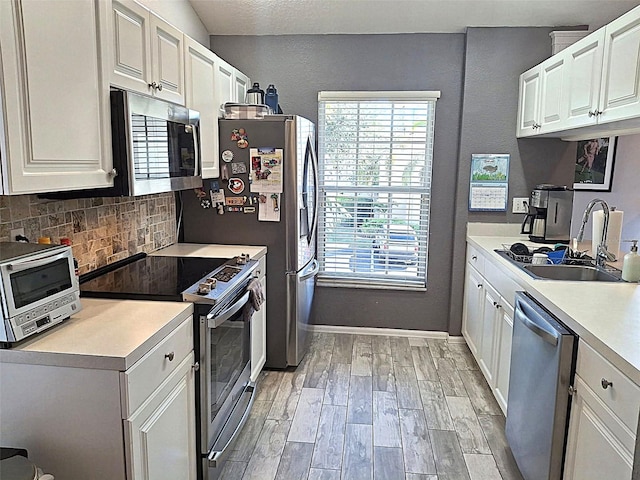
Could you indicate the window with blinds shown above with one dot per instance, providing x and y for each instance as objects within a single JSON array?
[{"x": 375, "y": 154}]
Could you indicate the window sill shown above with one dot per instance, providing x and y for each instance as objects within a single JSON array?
[{"x": 368, "y": 285}]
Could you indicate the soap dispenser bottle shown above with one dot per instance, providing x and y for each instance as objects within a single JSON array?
[{"x": 631, "y": 264}]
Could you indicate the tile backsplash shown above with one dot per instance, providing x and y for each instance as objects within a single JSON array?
[{"x": 102, "y": 230}]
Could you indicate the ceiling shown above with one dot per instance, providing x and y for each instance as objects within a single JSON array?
[{"x": 288, "y": 17}]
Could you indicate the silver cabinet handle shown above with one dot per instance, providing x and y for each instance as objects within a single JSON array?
[
  {"x": 591, "y": 114},
  {"x": 479, "y": 285},
  {"x": 196, "y": 366},
  {"x": 154, "y": 85},
  {"x": 170, "y": 356},
  {"x": 474, "y": 257},
  {"x": 159, "y": 87},
  {"x": 606, "y": 383},
  {"x": 113, "y": 173}
]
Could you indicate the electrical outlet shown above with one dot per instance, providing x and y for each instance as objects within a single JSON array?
[
  {"x": 520, "y": 205},
  {"x": 15, "y": 232}
]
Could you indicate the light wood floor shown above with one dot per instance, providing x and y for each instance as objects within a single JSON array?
[{"x": 374, "y": 407}]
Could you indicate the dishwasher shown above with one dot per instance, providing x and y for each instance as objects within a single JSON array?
[{"x": 543, "y": 358}]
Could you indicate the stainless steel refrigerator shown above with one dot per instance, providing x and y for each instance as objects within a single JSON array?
[{"x": 291, "y": 241}]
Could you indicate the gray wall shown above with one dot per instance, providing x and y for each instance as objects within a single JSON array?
[
  {"x": 478, "y": 76},
  {"x": 495, "y": 58}
]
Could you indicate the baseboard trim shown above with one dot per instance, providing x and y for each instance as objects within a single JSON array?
[
  {"x": 390, "y": 332},
  {"x": 456, "y": 339}
]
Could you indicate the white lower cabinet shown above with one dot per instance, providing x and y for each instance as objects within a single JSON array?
[
  {"x": 259, "y": 326},
  {"x": 487, "y": 322}
]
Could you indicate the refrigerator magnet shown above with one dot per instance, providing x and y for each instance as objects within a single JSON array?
[
  {"x": 234, "y": 201},
  {"x": 236, "y": 185},
  {"x": 238, "y": 168},
  {"x": 243, "y": 143},
  {"x": 227, "y": 156},
  {"x": 249, "y": 209}
]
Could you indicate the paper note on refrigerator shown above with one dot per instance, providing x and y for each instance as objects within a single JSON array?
[
  {"x": 269, "y": 207},
  {"x": 266, "y": 169}
]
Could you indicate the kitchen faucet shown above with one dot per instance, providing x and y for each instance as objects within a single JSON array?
[{"x": 602, "y": 255}]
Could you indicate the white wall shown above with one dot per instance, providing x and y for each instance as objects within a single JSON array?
[
  {"x": 624, "y": 195},
  {"x": 180, "y": 14}
]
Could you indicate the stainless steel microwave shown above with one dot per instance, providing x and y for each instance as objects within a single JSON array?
[
  {"x": 38, "y": 288},
  {"x": 155, "y": 148}
]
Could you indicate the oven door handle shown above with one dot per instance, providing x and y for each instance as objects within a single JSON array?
[
  {"x": 216, "y": 456},
  {"x": 215, "y": 321},
  {"x": 27, "y": 264}
]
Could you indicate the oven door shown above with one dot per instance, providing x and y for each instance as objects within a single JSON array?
[{"x": 226, "y": 393}]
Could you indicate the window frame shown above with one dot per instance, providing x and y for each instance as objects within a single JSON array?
[{"x": 359, "y": 279}]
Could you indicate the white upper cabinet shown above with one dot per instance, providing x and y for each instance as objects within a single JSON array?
[
  {"x": 55, "y": 127},
  {"x": 242, "y": 85},
  {"x": 620, "y": 90},
  {"x": 231, "y": 85},
  {"x": 582, "y": 88},
  {"x": 200, "y": 87},
  {"x": 589, "y": 89},
  {"x": 147, "y": 53}
]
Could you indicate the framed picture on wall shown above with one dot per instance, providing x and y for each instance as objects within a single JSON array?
[{"x": 594, "y": 164}]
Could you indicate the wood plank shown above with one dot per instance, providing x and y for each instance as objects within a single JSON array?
[
  {"x": 327, "y": 453},
  {"x": 244, "y": 444},
  {"x": 493, "y": 428},
  {"x": 286, "y": 399},
  {"x": 413, "y": 428},
  {"x": 417, "y": 476},
  {"x": 386, "y": 422},
  {"x": 388, "y": 463},
  {"x": 470, "y": 433},
  {"x": 321, "y": 474},
  {"x": 482, "y": 399},
  {"x": 462, "y": 357},
  {"x": 439, "y": 348},
  {"x": 361, "y": 363},
  {"x": 482, "y": 467},
  {"x": 317, "y": 369},
  {"x": 305, "y": 421},
  {"x": 450, "y": 378},
  {"x": 358, "y": 453},
  {"x": 295, "y": 461},
  {"x": 381, "y": 344},
  {"x": 449, "y": 460},
  {"x": 401, "y": 351},
  {"x": 407, "y": 387},
  {"x": 233, "y": 469},
  {"x": 361, "y": 339},
  {"x": 264, "y": 461},
  {"x": 423, "y": 364},
  {"x": 360, "y": 408},
  {"x": 418, "y": 342},
  {"x": 383, "y": 375},
  {"x": 268, "y": 384},
  {"x": 436, "y": 410},
  {"x": 342, "y": 348},
  {"x": 337, "y": 390}
]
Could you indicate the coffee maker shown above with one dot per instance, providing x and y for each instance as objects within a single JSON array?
[{"x": 549, "y": 217}]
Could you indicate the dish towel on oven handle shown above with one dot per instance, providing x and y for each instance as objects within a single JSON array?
[{"x": 256, "y": 298}]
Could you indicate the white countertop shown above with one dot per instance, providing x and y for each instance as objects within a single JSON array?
[
  {"x": 605, "y": 315},
  {"x": 105, "y": 335},
  {"x": 210, "y": 250}
]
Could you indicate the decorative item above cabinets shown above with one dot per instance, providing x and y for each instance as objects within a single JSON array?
[{"x": 590, "y": 89}]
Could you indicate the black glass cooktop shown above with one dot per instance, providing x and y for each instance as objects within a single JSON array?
[{"x": 150, "y": 278}]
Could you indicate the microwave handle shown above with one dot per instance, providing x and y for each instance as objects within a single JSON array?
[
  {"x": 26, "y": 264},
  {"x": 196, "y": 141}
]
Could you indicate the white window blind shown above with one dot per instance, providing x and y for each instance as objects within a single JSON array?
[
  {"x": 150, "y": 147},
  {"x": 375, "y": 155}
]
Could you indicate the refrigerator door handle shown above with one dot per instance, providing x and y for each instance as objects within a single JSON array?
[{"x": 314, "y": 271}]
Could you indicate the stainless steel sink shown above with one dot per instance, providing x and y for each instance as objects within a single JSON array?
[{"x": 571, "y": 273}]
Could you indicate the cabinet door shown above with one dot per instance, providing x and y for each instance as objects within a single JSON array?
[
  {"x": 503, "y": 354},
  {"x": 200, "y": 80},
  {"x": 56, "y": 102},
  {"x": 131, "y": 50},
  {"x": 160, "y": 435},
  {"x": 528, "y": 103},
  {"x": 490, "y": 312},
  {"x": 258, "y": 336},
  {"x": 241, "y": 85},
  {"x": 620, "y": 93},
  {"x": 599, "y": 445},
  {"x": 225, "y": 86},
  {"x": 472, "y": 315},
  {"x": 551, "y": 79},
  {"x": 582, "y": 86},
  {"x": 167, "y": 60}
]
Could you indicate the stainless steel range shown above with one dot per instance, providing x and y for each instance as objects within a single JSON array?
[{"x": 219, "y": 291}]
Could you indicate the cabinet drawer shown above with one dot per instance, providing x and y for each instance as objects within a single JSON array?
[
  {"x": 150, "y": 371},
  {"x": 505, "y": 286},
  {"x": 475, "y": 258},
  {"x": 622, "y": 397}
]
